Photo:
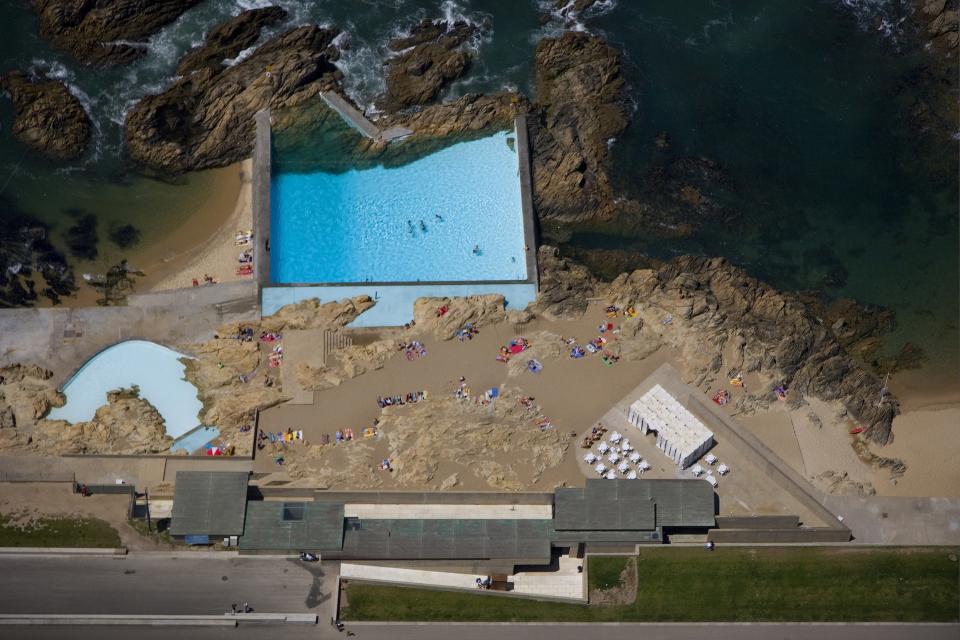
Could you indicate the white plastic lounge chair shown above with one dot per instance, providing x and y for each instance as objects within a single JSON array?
[
  {"x": 610, "y": 475},
  {"x": 635, "y": 457},
  {"x": 623, "y": 467},
  {"x": 600, "y": 469},
  {"x": 711, "y": 480},
  {"x": 710, "y": 459},
  {"x": 723, "y": 469},
  {"x": 603, "y": 448},
  {"x": 697, "y": 470},
  {"x": 632, "y": 475},
  {"x": 613, "y": 457},
  {"x": 590, "y": 458}
]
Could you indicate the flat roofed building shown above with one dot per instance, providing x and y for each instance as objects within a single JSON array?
[
  {"x": 211, "y": 503},
  {"x": 680, "y": 434}
]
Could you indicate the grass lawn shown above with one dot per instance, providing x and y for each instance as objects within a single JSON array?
[
  {"x": 58, "y": 532},
  {"x": 729, "y": 584},
  {"x": 605, "y": 571}
]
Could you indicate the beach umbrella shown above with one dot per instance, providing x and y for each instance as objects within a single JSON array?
[
  {"x": 613, "y": 457},
  {"x": 603, "y": 448},
  {"x": 615, "y": 437}
]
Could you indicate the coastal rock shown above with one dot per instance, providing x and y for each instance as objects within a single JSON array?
[
  {"x": 475, "y": 310},
  {"x": 105, "y": 31},
  {"x": 715, "y": 313},
  {"x": 429, "y": 58},
  {"x": 233, "y": 376},
  {"x": 582, "y": 105},
  {"x": 940, "y": 23},
  {"x": 127, "y": 425},
  {"x": 565, "y": 286},
  {"x": 229, "y": 39},
  {"x": 47, "y": 117},
  {"x": 435, "y": 440},
  {"x": 206, "y": 119}
]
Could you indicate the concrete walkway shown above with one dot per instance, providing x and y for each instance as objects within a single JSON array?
[
  {"x": 358, "y": 121},
  {"x": 899, "y": 520}
]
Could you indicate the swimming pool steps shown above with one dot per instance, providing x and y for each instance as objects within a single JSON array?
[{"x": 349, "y": 113}]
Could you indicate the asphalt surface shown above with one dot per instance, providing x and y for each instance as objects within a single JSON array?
[
  {"x": 510, "y": 632},
  {"x": 158, "y": 584}
]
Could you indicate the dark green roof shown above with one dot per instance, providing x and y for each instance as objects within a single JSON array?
[
  {"x": 634, "y": 505},
  {"x": 293, "y": 525},
  {"x": 448, "y": 539},
  {"x": 209, "y": 502},
  {"x": 604, "y": 506}
]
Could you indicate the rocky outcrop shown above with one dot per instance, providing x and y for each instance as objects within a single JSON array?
[
  {"x": 47, "y": 117},
  {"x": 206, "y": 119},
  {"x": 582, "y": 105},
  {"x": 565, "y": 286},
  {"x": 127, "y": 425},
  {"x": 229, "y": 39},
  {"x": 444, "y": 317},
  {"x": 939, "y": 22},
  {"x": 234, "y": 378},
  {"x": 317, "y": 137},
  {"x": 733, "y": 323},
  {"x": 727, "y": 322},
  {"x": 105, "y": 31},
  {"x": 495, "y": 446},
  {"x": 429, "y": 58}
]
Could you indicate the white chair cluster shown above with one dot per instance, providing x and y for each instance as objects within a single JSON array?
[
  {"x": 617, "y": 452},
  {"x": 697, "y": 470}
]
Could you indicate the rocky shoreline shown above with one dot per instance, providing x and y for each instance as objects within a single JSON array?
[{"x": 47, "y": 117}]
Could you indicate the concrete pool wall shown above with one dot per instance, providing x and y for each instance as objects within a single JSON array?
[{"x": 395, "y": 299}]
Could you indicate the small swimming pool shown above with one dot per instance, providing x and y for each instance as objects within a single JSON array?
[
  {"x": 416, "y": 222},
  {"x": 154, "y": 368}
]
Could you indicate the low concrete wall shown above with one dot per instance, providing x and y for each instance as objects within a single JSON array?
[
  {"x": 758, "y": 522},
  {"x": 526, "y": 198},
  {"x": 778, "y": 536},
  {"x": 260, "y": 197},
  {"x": 436, "y": 497}
]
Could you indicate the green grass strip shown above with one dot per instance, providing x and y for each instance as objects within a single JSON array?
[
  {"x": 799, "y": 584},
  {"x": 58, "y": 532}
]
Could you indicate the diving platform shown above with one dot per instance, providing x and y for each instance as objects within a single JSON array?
[{"x": 359, "y": 122}]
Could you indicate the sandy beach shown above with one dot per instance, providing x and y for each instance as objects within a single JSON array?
[
  {"x": 216, "y": 256},
  {"x": 814, "y": 439}
]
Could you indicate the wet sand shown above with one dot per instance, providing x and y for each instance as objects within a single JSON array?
[{"x": 180, "y": 230}]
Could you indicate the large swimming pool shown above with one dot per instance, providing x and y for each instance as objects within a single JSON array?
[
  {"x": 418, "y": 222},
  {"x": 154, "y": 368}
]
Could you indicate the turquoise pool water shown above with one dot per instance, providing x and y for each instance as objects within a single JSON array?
[
  {"x": 193, "y": 440},
  {"x": 156, "y": 369},
  {"x": 417, "y": 222}
]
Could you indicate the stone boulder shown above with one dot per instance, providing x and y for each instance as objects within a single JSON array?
[
  {"x": 565, "y": 286},
  {"x": 47, "y": 117},
  {"x": 939, "y": 21},
  {"x": 582, "y": 105},
  {"x": 476, "y": 310},
  {"x": 229, "y": 39},
  {"x": 206, "y": 119},
  {"x": 105, "y": 31},
  {"x": 426, "y": 61},
  {"x": 312, "y": 314}
]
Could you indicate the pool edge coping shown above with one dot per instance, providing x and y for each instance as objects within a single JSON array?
[{"x": 261, "y": 184}]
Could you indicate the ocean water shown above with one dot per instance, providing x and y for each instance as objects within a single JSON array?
[
  {"x": 806, "y": 108},
  {"x": 156, "y": 369},
  {"x": 452, "y": 215}
]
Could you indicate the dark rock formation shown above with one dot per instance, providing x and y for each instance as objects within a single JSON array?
[
  {"x": 717, "y": 308},
  {"x": 229, "y": 39},
  {"x": 314, "y": 137},
  {"x": 572, "y": 7},
  {"x": 47, "y": 117},
  {"x": 582, "y": 104},
  {"x": 939, "y": 21},
  {"x": 26, "y": 256},
  {"x": 206, "y": 119},
  {"x": 98, "y": 31},
  {"x": 429, "y": 58}
]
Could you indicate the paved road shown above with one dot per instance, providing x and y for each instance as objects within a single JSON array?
[
  {"x": 158, "y": 584},
  {"x": 517, "y": 632}
]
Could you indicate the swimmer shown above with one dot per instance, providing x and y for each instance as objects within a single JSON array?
[
  {"x": 423, "y": 226},
  {"x": 476, "y": 249},
  {"x": 438, "y": 217},
  {"x": 512, "y": 259},
  {"x": 410, "y": 227}
]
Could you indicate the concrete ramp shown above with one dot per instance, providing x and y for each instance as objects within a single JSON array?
[{"x": 359, "y": 122}]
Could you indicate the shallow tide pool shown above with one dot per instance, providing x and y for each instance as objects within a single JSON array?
[
  {"x": 154, "y": 368},
  {"x": 454, "y": 215}
]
